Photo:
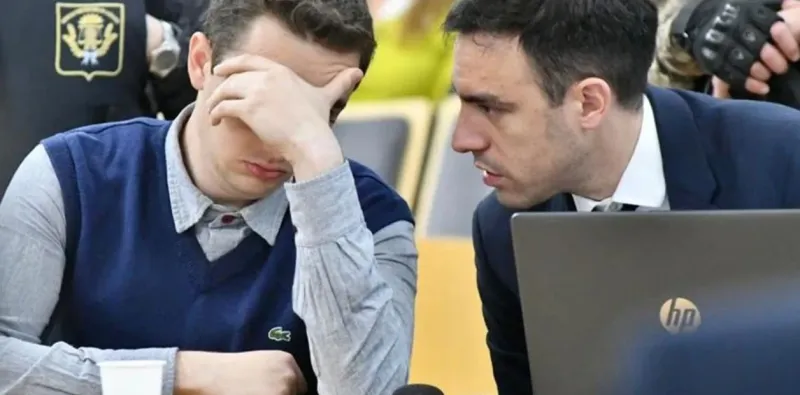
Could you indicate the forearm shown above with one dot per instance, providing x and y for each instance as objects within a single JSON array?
[
  {"x": 356, "y": 301},
  {"x": 28, "y": 292},
  {"x": 174, "y": 91},
  {"x": 32, "y": 369},
  {"x": 32, "y": 260}
]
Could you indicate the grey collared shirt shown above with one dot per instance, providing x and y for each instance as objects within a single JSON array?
[{"x": 341, "y": 268}]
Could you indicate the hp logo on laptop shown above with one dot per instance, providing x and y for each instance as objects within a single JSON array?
[{"x": 679, "y": 315}]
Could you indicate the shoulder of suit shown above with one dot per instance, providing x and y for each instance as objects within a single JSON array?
[
  {"x": 776, "y": 126},
  {"x": 757, "y": 120},
  {"x": 494, "y": 218},
  {"x": 763, "y": 134},
  {"x": 490, "y": 209}
]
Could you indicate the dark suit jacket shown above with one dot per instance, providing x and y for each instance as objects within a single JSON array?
[{"x": 716, "y": 155}]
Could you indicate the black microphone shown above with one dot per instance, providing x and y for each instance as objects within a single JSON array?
[{"x": 418, "y": 389}]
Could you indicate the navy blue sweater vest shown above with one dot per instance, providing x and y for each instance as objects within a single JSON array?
[{"x": 133, "y": 282}]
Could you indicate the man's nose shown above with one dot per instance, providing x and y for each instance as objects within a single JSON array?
[{"x": 467, "y": 139}]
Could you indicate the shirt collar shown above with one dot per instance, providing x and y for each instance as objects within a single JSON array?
[
  {"x": 642, "y": 184},
  {"x": 189, "y": 205}
]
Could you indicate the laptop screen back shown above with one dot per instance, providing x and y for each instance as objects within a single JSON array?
[{"x": 591, "y": 282}]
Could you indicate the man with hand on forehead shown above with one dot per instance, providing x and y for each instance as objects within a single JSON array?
[{"x": 236, "y": 243}]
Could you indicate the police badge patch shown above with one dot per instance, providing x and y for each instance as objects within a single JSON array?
[{"x": 90, "y": 39}]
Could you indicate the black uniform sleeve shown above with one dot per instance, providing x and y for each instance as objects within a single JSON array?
[{"x": 174, "y": 92}]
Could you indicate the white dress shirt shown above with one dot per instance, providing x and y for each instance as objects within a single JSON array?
[{"x": 642, "y": 184}]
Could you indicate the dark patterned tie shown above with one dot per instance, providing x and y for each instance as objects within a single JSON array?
[{"x": 613, "y": 207}]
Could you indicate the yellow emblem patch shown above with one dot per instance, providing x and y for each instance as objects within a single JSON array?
[{"x": 90, "y": 39}]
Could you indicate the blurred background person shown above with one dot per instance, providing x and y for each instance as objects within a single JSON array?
[
  {"x": 673, "y": 67},
  {"x": 65, "y": 65},
  {"x": 414, "y": 57}
]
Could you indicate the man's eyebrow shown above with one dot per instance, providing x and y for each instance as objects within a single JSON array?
[{"x": 486, "y": 99}]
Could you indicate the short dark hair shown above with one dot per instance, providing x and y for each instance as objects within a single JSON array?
[
  {"x": 568, "y": 40},
  {"x": 339, "y": 25}
]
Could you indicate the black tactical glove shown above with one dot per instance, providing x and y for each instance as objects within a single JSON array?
[{"x": 725, "y": 37}]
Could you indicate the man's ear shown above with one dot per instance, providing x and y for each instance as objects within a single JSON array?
[
  {"x": 199, "y": 60},
  {"x": 594, "y": 98}
]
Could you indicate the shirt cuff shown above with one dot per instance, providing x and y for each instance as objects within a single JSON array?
[{"x": 325, "y": 208}]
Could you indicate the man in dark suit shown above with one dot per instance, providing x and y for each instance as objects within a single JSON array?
[{"x": 559, "y": 117}]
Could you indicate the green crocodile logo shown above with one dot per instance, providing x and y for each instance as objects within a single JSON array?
[{"x": 279, "y": 335}]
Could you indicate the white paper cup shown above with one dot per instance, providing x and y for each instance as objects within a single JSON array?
[{"x": 132, "y": 377}]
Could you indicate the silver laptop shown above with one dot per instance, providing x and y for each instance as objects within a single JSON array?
[{"x": 591, "y": 283}]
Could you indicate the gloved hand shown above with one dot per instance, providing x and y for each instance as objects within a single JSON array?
[
  {"x": 783, "y": 50},
  {"x": 733, "y": 40}
]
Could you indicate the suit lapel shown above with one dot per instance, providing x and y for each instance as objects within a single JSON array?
[{"x": 690, "y": 182}]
